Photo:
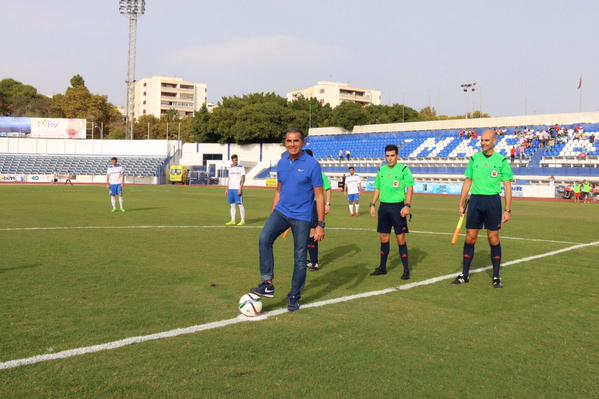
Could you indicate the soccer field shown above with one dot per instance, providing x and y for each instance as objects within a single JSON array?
[{"x": 73, "y": 275}]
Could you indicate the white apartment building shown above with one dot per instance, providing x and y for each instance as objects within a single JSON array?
[
  {"x": 334, "y": 93},
  {"x": 158, "y": 94}
]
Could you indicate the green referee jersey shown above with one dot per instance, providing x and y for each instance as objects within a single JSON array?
[
  {"x": 392, "y": 183},
  {"x": 487, "y": 174},
  {"x": 326, "y": 183}
]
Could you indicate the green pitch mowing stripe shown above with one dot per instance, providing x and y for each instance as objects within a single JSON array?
[{"x": 241, "y": 319}]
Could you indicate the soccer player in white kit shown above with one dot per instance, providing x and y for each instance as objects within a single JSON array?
[
  {"x": 234, "y": 191},
  {"x": 115, "y": 181},
  {"x": 352, "y": 190}
]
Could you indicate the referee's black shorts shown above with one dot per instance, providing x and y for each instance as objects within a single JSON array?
[
  {"x": 390, "y": 217},
  {"x": 484, "y": 211}
]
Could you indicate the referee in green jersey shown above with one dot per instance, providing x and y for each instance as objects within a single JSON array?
[
  {"x": 484, "y": 175},
  {"x": 394, "y": 186}
]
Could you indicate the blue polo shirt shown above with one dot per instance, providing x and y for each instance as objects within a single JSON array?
[{"x": 299, "y": 178}]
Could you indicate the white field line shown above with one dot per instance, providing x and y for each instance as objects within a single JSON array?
[
  {"x": 51, "y": 228},
  {"x": 242, "y": 319}
]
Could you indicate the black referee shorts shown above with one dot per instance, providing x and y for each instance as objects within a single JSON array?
[
  {"x": 390, "y": 217},
  {"x": 484, "y": 211}
]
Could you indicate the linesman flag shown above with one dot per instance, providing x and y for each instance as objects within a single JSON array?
[{"x": 580, "y": 83}]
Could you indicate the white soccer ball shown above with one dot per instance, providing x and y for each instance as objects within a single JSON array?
[{"x": 250, "y": 305}]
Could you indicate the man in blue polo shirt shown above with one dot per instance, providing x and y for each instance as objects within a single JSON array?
[{"x": 299, "y": 181}]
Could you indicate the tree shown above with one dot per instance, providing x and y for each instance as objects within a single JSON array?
[
  {"x": 78, "y": 102},
  {"x": 77, "y": 81},
  {"x": 18, "y": 99},
  {"x": 428, "y": 114},
  {"x": 348, "y": 115}
]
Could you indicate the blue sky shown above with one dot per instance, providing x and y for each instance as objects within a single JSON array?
[{"x": 524, "y": 55}]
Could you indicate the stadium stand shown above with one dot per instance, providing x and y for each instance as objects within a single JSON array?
[
  {"x": 446, "y": 152},
  {"x": 78, "y": 165}
]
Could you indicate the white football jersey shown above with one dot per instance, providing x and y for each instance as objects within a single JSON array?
[
  {"x": 115, "y": 174},
  {"x": 353, "y": 184},
  {"x": 235, "y": 173}
]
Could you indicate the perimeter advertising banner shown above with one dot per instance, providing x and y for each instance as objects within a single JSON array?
[{"x": 46, "y": 128}]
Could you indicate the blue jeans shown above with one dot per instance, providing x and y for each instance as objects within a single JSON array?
[{"x": 276, "y": 224}]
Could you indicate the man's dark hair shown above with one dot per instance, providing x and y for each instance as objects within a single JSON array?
[
  {"x": 351, "y": 168},
  {"x": 392, "y": 147},
  {"x": 296, "y": 131},
  {"x": 309, "y": 152},
  {"x": 114, "y": 159},
  {"x": 234, "y": 156}
]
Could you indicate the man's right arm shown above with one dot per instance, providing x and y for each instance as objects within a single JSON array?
[
  {"x": 375, "y": 198},
  {"x": 277, "y": 197},
  {"x": 465, "y": 190}
]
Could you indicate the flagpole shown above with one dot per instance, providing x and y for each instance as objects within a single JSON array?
[{"x": 580, "y": 94}]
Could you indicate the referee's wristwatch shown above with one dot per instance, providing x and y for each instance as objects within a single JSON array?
[{"x": 321, "y": 224}]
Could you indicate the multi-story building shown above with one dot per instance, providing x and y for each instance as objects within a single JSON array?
[
  {"x": 159, "y": 94},
  {"x": 334, "y": 93}
]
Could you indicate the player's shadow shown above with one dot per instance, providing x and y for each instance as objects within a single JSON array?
[
  {"x": 481, "y": 259},
  {"x": 415, "y": 257},
  {"x": 347, "y": 277},
  {"x": 255, "y": 220},
  {"x": 333, "y": 254},
  {"x": 144, "y": 209},
  {"x": 321, "y": 283},
  {"x": 21, "y": 267}
]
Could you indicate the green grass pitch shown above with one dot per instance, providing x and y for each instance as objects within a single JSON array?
[{"x": 63, "y": 289}]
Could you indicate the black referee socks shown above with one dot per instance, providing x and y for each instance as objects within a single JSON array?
[
  {"x": 496, "y": 259},
  {"x": 403, "y": 254},
  {"x": 384, "y": 255},
  {"x": 468, "y": 256}
]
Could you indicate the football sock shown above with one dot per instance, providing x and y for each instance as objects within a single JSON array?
[
  {"x": 384, "y": 255},
  {"x": 233, "y": 212},
  {"x": 468, "y": 256},
  {"x": 403, "y": 254},
  {"x": 357, "y": 206},
  {"x": 313, "y": 250},
  {"x": 242, "y": 212},
  {"x": 351, "y": 209},
  {"x": 496, "y": 259},
  {"x": 121, "y": 201},
  {"x": 113, "y": 200}
]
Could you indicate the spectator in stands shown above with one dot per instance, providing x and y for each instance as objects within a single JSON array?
[
  {"x": 54, "y": 177},
  {"x": 513, "y": 154},
  {"x": 341, "y": 154},
  {"x": 347, "y": 155},
  {"x": 592, "y": 138}
]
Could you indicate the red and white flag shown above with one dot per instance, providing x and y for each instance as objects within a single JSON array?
[{"x": 580, "y": 83}]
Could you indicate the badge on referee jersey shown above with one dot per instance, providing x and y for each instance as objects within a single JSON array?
[
  {"x": 494, "y": 173},
  {"x": 395, "y": 184}
]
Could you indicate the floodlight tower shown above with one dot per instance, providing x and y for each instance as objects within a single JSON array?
[
  {"x": 131, "y": 8},
  {"x": 469, "y": 87}
]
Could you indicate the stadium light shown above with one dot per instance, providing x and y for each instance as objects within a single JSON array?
[
  {"x": 469, "y": 87},
  {"x": 131, "y": 8}
]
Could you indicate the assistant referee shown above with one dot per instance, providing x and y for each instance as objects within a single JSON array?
[
  {"x": 394, "y": 186},
  {"x": 485, "y": 173}
]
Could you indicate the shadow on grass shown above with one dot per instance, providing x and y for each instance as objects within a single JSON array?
[
  {"x": 30, "y": 266},
  {"x": 415, "y": 257},
  {"x": 144, "y": 209},
  {"x": 255, "y": 220}
]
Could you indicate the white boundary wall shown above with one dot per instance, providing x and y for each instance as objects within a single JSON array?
[
  {"x": 193, "y": 153},
  {"x": 162, "y": 148},
  {"x": 504, "y": 121}
]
